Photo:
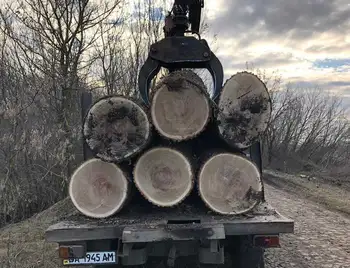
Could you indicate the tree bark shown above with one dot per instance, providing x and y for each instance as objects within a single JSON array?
[
  {"x": 116, "y": 129},
  {"x": 99, "y": 189},
  {"x": 230, "y": 184},
  {"x": 180, "y": 106},
  {"x": 245, "y": 110},
  {"x": 164, "y": 176}
]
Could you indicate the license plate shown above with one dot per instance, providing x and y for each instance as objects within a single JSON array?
[{"x": 94, "y": 258}]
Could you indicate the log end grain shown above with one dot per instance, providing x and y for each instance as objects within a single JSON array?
[
  {"x": 180, "y": 106},
  {"x": 230, "y": 184},
  {"x": 164, "y": 176},
  {"x": 116, "y": 129},
  {"x": 99, "y": 189},
  {"x": 246, "y": 108}
]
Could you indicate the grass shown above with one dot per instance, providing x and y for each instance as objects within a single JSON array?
[{"x": 23, "y": 245}]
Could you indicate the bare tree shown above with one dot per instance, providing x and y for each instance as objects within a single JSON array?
[
  {"x": 53, "y": 36},
  {"x": 124, "y": 48},
  {"x": 44, "y": 66},
  {"x": 308, "y": 128}
]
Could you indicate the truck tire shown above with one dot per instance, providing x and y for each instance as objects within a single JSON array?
[
  {"x": 253, "y": 260},
  {"x": 250, "y": 257}
]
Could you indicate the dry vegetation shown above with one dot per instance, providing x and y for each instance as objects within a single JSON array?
[
  {"x": 22, "y": 245},
  {"x": 309, "y": 131}
]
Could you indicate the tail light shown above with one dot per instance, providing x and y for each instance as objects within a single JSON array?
[{"x": 267, "y": 241}]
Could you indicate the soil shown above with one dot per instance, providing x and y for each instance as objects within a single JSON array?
[
  {"x": 321, "y": 234},
  {"x": 176, "y": 80},
  {"x": 240, "y": 125},
  {"x": 244, "y": 110},
  {"x": 332, "y": 196},
  {"x": 121, "y": 131}
]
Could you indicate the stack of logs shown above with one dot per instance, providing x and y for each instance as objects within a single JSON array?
[{"x": 184, "y": 140}]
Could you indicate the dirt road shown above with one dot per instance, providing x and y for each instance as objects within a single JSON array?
[{"x": 321, "y": 238}]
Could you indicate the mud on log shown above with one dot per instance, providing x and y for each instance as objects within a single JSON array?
[
  {"x": 230, "y": 184},
  {"x": 180, "y": 106},
  {"x": 116, "y": 129},
  {"x": 99, "y": 189},
  {"x": 164, "y": 176},
  {"x": 245, "y": 110}
]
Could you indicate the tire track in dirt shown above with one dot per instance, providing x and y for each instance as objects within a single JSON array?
[{"x": 321, "y": 237}]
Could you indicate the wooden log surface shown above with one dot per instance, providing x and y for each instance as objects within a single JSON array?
[
  {"x": 180, "y": 107},
  {"x": 116, "y": 129},
  {"x": 245, "y": 110},
  {"x": 230, "y": 184},
  {"x": 99, "y": 189},
  {"x": 164, "y": 176}
]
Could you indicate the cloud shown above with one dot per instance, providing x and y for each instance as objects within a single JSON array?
[
  {"x": 306, "y": 41},
  {"x": 299, "y": 18}
]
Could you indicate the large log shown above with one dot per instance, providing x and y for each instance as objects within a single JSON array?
[
  {"x": 164, "y": 176},
  {"x": 116, "y": 129},
  {"x": 245, "y": 110},
  {"x": 99, "y": 189},
  {"x": 230, "y": 184},
  {"x": 180, "y": 106}
]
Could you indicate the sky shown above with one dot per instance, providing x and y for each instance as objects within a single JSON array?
[{"x": 306, "y": 41}]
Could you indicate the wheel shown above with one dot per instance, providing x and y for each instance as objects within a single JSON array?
[{"x": 250, "y": 257}]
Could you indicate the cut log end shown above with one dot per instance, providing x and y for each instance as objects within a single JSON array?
[
  {"x": 180, "y": 106},
  {"x": 245, "y": 107},
  {"x": 98, "y": 189},
  {"x": 164, "y": 176},
  {"x": 116, "y": 129},
  {"x": 230, "y": 184}
]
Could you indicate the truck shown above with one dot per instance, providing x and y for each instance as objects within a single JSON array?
[
  {"x": 188, "y": 235},
  {"x": 175, "y": 237}
]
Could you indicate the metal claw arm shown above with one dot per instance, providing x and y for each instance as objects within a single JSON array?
[
  {"x": 176, "y": 53},
  {"x": 148, "y": 71}
]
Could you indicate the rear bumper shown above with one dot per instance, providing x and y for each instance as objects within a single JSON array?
[{"x": 68, "y": 231}]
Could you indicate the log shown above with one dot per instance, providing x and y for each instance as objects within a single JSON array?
[
  {"x": 180, "y": 107},
  {"x": 230, "y": 184},
  {"x": 164, "y": 176},
  {"x": 99, "y": 189},
  {"x": 116, "y": 128},
  {"x": 245, "y": 110}
]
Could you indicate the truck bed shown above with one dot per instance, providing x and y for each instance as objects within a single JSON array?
[{"x": 264, "y": 219}]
